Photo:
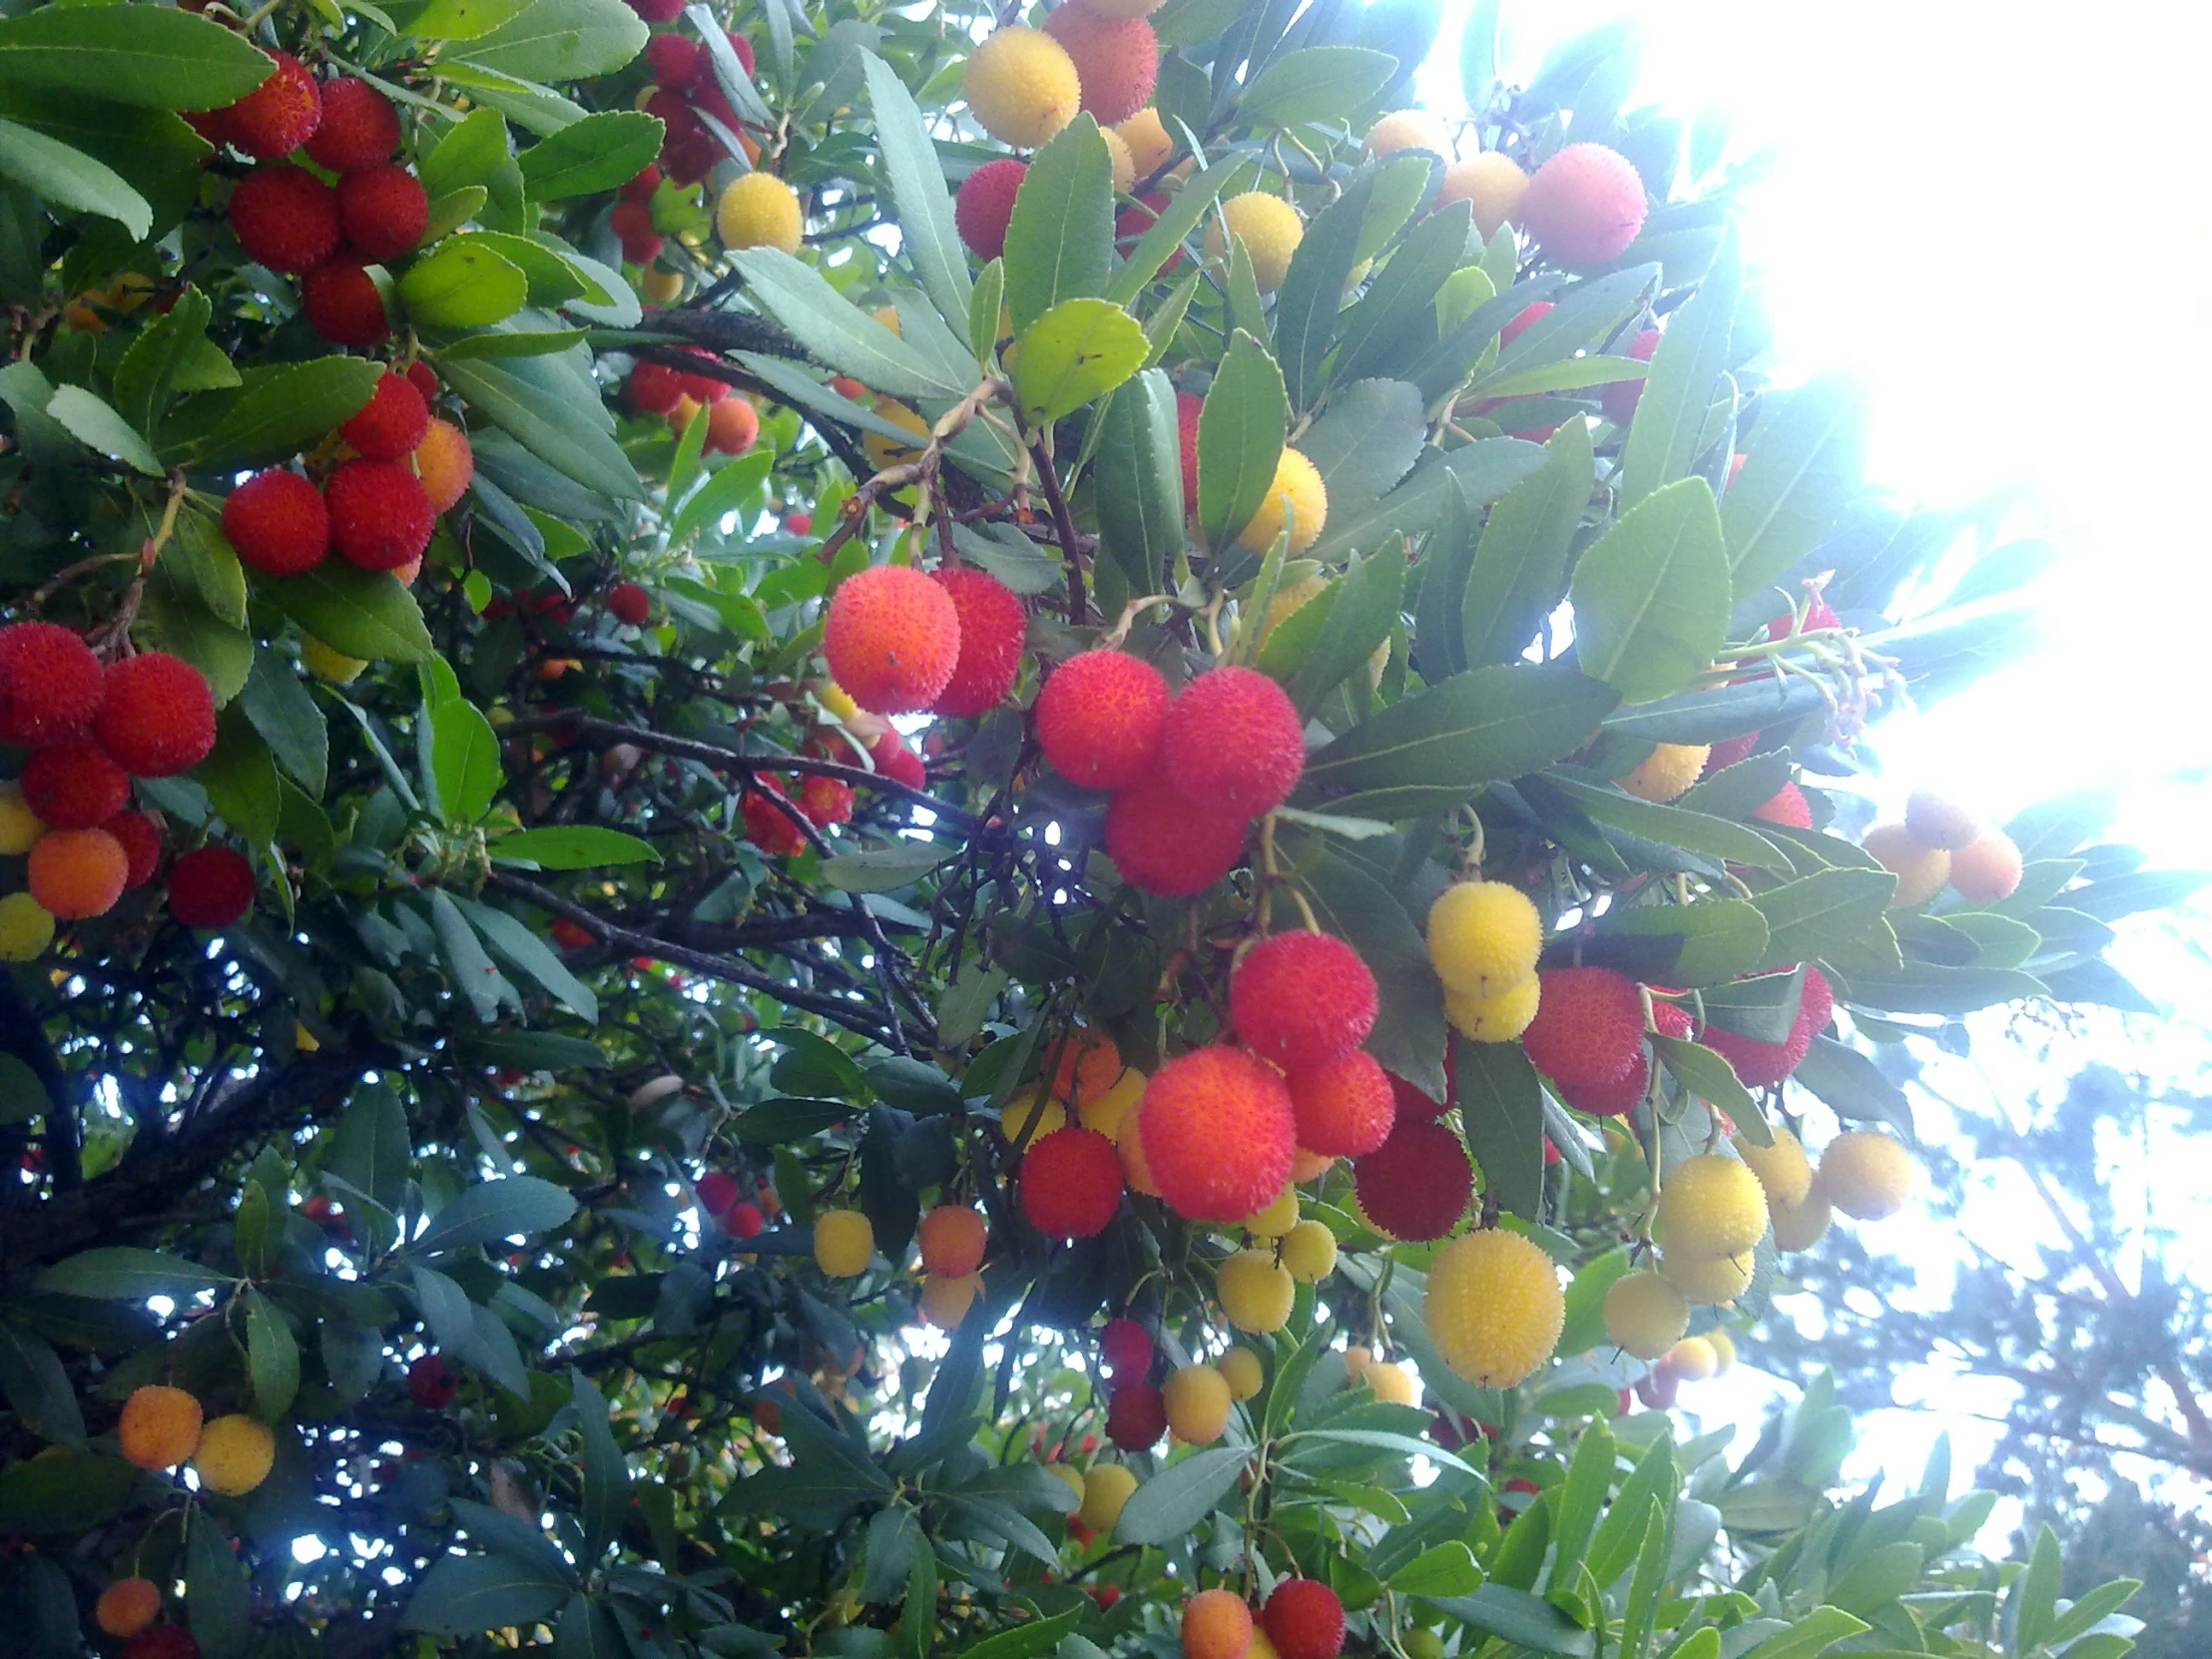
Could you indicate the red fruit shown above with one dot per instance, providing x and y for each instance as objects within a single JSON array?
[
  {"x": 1233, "y": 740},
  {"x": 342, "y": 304},
  {"x": 1162, "y": 841},
  {"x": 1523, "y": 319},
  {"x": 1106, "y": 1595},
  {"x": 986, "y": 203},
  {"x": 1761, "y": 1064},
  {"x": 384, "y": 210},
  {"x": 1619, "y": 397},
  {"x": 766, "y": 825},
  {"x": 1099, "y": 717},
  {"x": 379, "y": 517},
  {"x": 951, "y": 1239},
  {"x": 280, "y": 115},
  {"x": 643, "y": 183},
  {"x": 285, "y": 217},
  {"x": 360, "y": 130},
  {"x": 1136, "y": 1416},
  {"x": 161, "y": 1641},
  {"x": 1786, "y": 806},
  {"x": 891, "y": 639},
  {"x": 744, "y": 1221},
  {"x": 742, "y": 47},
  {"x": 1819, "y": 614},
  {"x": 716, "y": 1191},
  {"x": 1302, "y": 1000},
  {"x": 826, "y": 800},
  {"x": 1588, "y": 1029},
  {"x": 898, "y": 762},
  {"x": 1126, "y": 1347},
  {"x": 1727, "y": 752},
  {"x": 430, "y": 1384},
  {"x": 633, "y": 224},
  {"x": 1217, "y": 1133},
  {"x": 1070, "y": 1183},
  {"x": 1130, "y": 224},
  {"x": 799, "y": 524},
  {"x": 731, "y": 425},
  {"x": 390, "y": 425},
  {"x": 1583, "y": 206},
  {"x": 50, "y": 684},
  {"x": 657, "y": 11},
  {"x": 1413, "y": 1106},
  {"x": 689, "y": 157},
  {"x": 74, "y": 785},
  {"x": 704, "y": 388},
  {"x": 991, "y": 625},
  {"x": 629, "y": 604},
  {"x": 1553, "y": 1156},
  {"x": 1116, "y": 59},
  {"x": 654, "y": 388},
  {"x": 673, "y": 60},
  {"x": 1416, "y": 1184},
  {"x": 276, "y": 523},
  {"x": 157, "y": 718},
  {"x": 570, "y": 934},
  {"x": 1344, "y": 1108},
  {"x": 1187, "y": 410},
  {"x": 210, "y": 887},
  {"x": 1619, "y": 1096},
  {"x": 140, "y": 840},
  {"x": 1305, "y": 1620}
]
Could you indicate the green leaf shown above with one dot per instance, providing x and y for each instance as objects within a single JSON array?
[
  {"x": 534, "y": 1051},
  {"x": 1060, "y": 239},
  {"x": 459, "y": 19},
  {"x": 285, "y": 716},
  {"x": 917, "y": 190},
  {"x": 1716, "y": 837},
  {"x": 463, "y": 1595},
  {"x": 1847, "y": 1083},
  {"x": 1368, "y": 439},
  {"x": 2129, "y": 895},
  {"x": 836, "y": 331},
  {"x": 38, "y": 1389},
  {"x": 177, "y": 620},
  {"x": 1429, "y": 753},
  {"x": 1482, "y": 471},
  {"x": 1804, "y": 463},
  {"x": 91, "y": 422},
  {"x": 1399, "y": 306},
  {"x": 521, "y": 1204},
  {"x": 1519, "y": 1617},
  {"x": 573, "y": 846},
  {"x": 1501, "y": 1105},
  {"x": 1519, "y": 571},
  {"x": 1651, "y": 595},
  {"x": 1138, "y": 476},
  {"x": 67, "y": 178},
  {"x": 559, "y": 40},
  {"x": 1814, "y": 1634},
  {"x": 606, "y": 1475},
  {"x": 1709, "y": 1076},
  {"x": 556, "y": 418},
  {"x": 462, "y": 284},
  {"x": 467, "y": 968},
  {"x": 1361, "y": 609},
  {"x": 282, "y": 411},
  {"x": 121, "y": 1274},
  {"x": 526, "y": 952},
  {"x": 1408, "y": 1035},
  {"x": 1584, "y": 1328},
  {"x": 1679, "y": 390},
  {"x": 465, "y": 763},
  {"x": 1241, "y": 428},
  {"x": 1811, "y": 916},
  {"x": 162, "y": 59},
  {"x": 364, "y": 613},
  {"x": 22, "y": 1095},
  {"x": 1445, "y": 1570},
  {"x": 1317, "y": 83},
  {"x": 217, "y": 1602},
  {"x": 1314, "y": 286},
  {"x": 884, "y": 868},
  {"x": 1706, "y": 943},
  {"x": 1177, "y": 221},
  {"x": 272, "y": 1358},
  {"x": 1075, "y": 352},
  {"x": 1174, "y": 1501},
  {"x": 725, "y": 491},
  {"x": 370, "y": 1148},
  {"x": 1042, "y": 1635},
  {"x": 1928, "y": 989},
  {"x": 600, "y": 152}
]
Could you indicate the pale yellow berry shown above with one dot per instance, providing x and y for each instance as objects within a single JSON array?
[
  {"x": 1392, "y": 1382},
  {"x": 19, "y": 826},
  {"x": 26, "y": 929},
  {"x": 1198, "y": 1400},
  {"x": 945, "y": 1301},
  {"x": 1724, "y": 1350},
  {"x": 1106, "y": 1487},
  {"x": 1666, "y": 772},
  {"x": 757, "y": 210},
  {"x": 1147, "y": 139},
  {"x": 235, "y": 1454},
  {"x": 1276, "y": 1219},
  {"x": 1124, "y": 164},
  {"x": 1921, "y": 871},
  {"x": 1707, "y": 1280},
  {"x": 1269, "y": 228},
  {"x": 1109, "y": 1111},
  {"x": 1493, "y": 1306},
  {"x": 1297, "y": 497},
  {"x": 1021, "y": 86},
  {"x": 845, "y": 1239},
  {"x": 1711, "y": 1206},
  {"x": 1309, "y": 1252},
  {"x": 1029, "y": 1117},
  {"x": 1693, "y": 1359},
  {"x": 1866, "y": 1174},
  {"x": 1644, "y": 1314},
  {"x": 1240, "y": 1368},
  {"x": 1493, "y": 184},
  {"x": 327, "y": 663},
  {"x": 1409, "y": 130},
  {"x": 1072, "y": 1479},
  {"x": 1483, "y": 937},
  {"x": 1494, "y": 1019},
  {"x": 1255, "y": 1290},
  {"x": 1781, "y": 1168},
  {"x": 1801, "y": 1226}
]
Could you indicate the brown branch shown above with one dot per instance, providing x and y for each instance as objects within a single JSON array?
[{"x": 1064, "y": 525}]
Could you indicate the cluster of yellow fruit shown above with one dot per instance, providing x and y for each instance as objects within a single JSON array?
[
  {"x": 162, "y": 1428},
  {"x": 1492, "y": 185},
  {"x": 1939, "y": 841},
  {"x": 1483, "y": 941}
]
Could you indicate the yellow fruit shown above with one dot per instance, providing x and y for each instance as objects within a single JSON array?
[
  {"x": 945, "y": 1301},
  {"x": 757, "y": 210},
  {"x": 1021, "y": 86},
  {"x": 1106, "y": 1487},
  {"x": 1109, "y": 1111},
  {"x": 25, "y": 928},
  {"x": 128, "y": 1606},
  {"x": 1269, "y": 228},
  {"x": 1938, "y": 820},
  {"x": 1255, "y": 1292},
  {"x": 1287, "y": 601},
  {"x": 1781, "y": 1168},
  {"x": 1801, "y": 1226},
  {"x": 882, "y": 453},
  {"x": 1028, "y": 1117},
  {"x": 19, "y": 826},
  {"x": 887, "y": 316},
  {"x": 1483, "y": 937},
  {"x": 1391, "y": 1383},
  {"x": 1357, "y": 1356},
  {"x": 1409, "y": 130},
  {"x": 1495, "y": 183},
  {"x": 1134, "y": 1168},
  {"x": 1295, "y": 497},
  {"x": 1669, "y": 769},
  {"x": 1494, "y": 1019},
  {"x": 1263, "y": 1646},
  {"x": 1644, "y": 1314},
  {"x": 1217, "y": 1625},
  {"x": 1278, "y": 1218},
  {"x": 1493, "y": 1306},
  {"x": 843, "y": 1242},
  {"x": 158, "y": 1427},
  {"x": 1707, "y": 1280},
  {"x": 305, "y": 1040},
  {"x": 1198, "y": 1404},
  {"x": 661, "y": 286},
  {"x": 1866, "y": 1174},
  {"x": 836, "y": 700},
  {"x": 1724, "y": 1350},
  {"x": 1240, "y": 1368},
  {"x": 1309, "y": 1252},
  {"x": 1124, "y": 164},
  {"x": 1921, "y": 871},
  {"x": 1712, "y": 1206},
  {"x": 1073, "y": 1478},
  {"x": 1309, "y": 1166},
  {"x": 1693, "y": 1358},
  {"x": 235, "y": 1454},
  {"x": 327, "y": 664},
  {"x": 1146, "y": 136}
]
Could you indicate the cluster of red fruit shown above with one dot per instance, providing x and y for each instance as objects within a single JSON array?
[
  {"x": 90, "y": 729},
  {"x": 291, "y": 219},
  {"x": 1302, "y": 1618},
  {"x": 377, "y": 507},
  {"x": 767, "y": 812},
  {"x": 683, "y": 73},
  {"x": 900, "y": 641},
  {"x": 731, "y": 421}
]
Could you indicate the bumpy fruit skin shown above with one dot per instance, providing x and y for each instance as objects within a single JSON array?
[
  {"x": 1136, "y": 1416},
  {"x": 898, "y": 762},
  {"x": 1492, "y": 185},
  {"x": 75, "y": 787},
  {"x": 1391, "y": 1383},
  {"x": 1782, "y": 1170},
  {"x": 986, "y": 203},
  {"x": 1584, "y": 205},
  {"x": 383, "y": 211},
  {"x": 157, "y": 716},
  {"x": 1106, "y": 1487},
  {"x": 51, "y": 684},
  {"x": 1086, "y": 1065},
  {"x": 210, "y": 887},
  {"x": 1162, "y": 841},
  {"x": 128, "y": 1606},
  {"x": 1619, "y": 1097},
  {"x": 1483, "y": 937},
  {"x": 1217, "y": 1133},
  {"x": 826, "y": 800},
  {"x": 1711, "y": 1205},
  {"x": 1921, "y": 871},
  {"x": 1416, "y": 1184},
  {"x": 390, "y": 425},
  {"x": 19, "y": 826},
  {"x": 77, "y": 873},
  {"x": 1302, "y": 1000},
  {"x": 951, "y": 1238},
  {"x": 1109, "y": 1110},
  {"x": 944, "y": 1301},
  {"x": 360, "y": 130},
  {"x": 1668, "y": 770},
  {"x": 1125, "y": 1348},
  {"x": 1115, "y": 58},
  {"x": 892, "y": 638},
  {"x": 1240, "y": 1368},
  {"x": 276, "y": 523},
  {"x": 653, "y": 388},
  {"x": 1589, "y": 1026},
  {"x": 1099, "y": 717},
  {"x": 1693, "y": 1359},
  {"x": 1707, "y": 1280},
  {"x": 140, "y": 840},
  {"x": 1255, "y": 1290},
  {"x": 1216, "y": 1625},
  {"x": 766, "y": 825},
  {"x": 1022, "y": 86},
  {"x": 235, "y": 1454},
  {"x": 1305, "y": 1620},
  {"x": 1785, "y": 807},
  {"x": 1801, "y": 1226},
  {"x": 280, "y": 115},
  {"x": 629, "y": 604},
  {"x": 1644, "y": 1314},
  {"x": 1494, "y": 1019},
  {"x": 381, "y": 515},
  {"x": 1345, "y": 1107},
  {"x": 1198, "y": 1404},
  {"x": 1866, "y": 1174},
  {"x": 1070, "y": 1183},
  {"x": 992, "y": 624},
  {"x": 26, "y": 928},
  {"x": 445, "y": 463},
  {"x": 673, "y": 61},
  {"x": 159, "y": 1427},
  {"x": 1122, "y": 164},
  {"x": 1233, "y": 740},
  {"x": 1309, "y": 1252},
  {"x": 716, "y": 1191},
  {"x": 343, "y": 304},
  {"x": 1030, "y": 1117},
  {"x": 731, "y": 425},
  {"x": 1987, "y": 870},
  {"x": 1935, "y": 819},
  {"x": 1150, "y": 142},
  {"x": 327, "y": 663},
  {"x": 843, "y": 1242},
  {"x": 1408, "y": 130},
  {"x": 757, "y": 210},
  {"x": 1269, "y": 228},
  {"x": 285, "y": 217},
  {"x": 1493, "y": 1306},
  {"x": 1760, "y": 1064},
  {"x": 431, "y": 1382},
  {"x": 1275, "y": 1218},
  {"x": 1295, "y": 497}
]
